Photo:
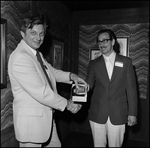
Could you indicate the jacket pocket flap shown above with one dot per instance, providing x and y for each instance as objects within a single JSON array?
[{"x": 27, "y": 111}]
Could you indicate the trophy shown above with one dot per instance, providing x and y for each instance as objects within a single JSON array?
[{"x": 78, "y": 94}]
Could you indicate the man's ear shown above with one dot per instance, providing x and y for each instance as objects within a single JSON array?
[{"x": 22, "y": 34}]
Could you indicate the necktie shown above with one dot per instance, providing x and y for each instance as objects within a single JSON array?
[
  {"x": 43, "y": 67},
  {"x": 109, "y": 66}
]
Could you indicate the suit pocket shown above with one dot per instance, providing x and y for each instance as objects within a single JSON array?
[{"x": 30, "y": 120}]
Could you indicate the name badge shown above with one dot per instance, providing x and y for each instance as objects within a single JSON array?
[{"x": 119, "y": 64}]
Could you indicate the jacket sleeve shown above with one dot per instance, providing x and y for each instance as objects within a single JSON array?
[
  {"x": 131, "y": 90},
  {"x": 90, "y": 79}
]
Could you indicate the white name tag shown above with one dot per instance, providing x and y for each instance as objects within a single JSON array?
[{"x": 119, "y": 64}]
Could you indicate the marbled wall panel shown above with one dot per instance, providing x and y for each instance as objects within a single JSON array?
[
  {"x": 138, "y": 48},
  {"x": 13, "y": 12}
]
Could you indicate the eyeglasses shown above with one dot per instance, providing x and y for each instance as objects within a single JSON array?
[{"x": 105, "y": 41}]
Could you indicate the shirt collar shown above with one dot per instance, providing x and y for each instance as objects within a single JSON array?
[
  {"x": 32, "y": 50},
  {"x": 112, "y": 55}
]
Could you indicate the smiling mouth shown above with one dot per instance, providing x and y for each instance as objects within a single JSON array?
[
  {"x": 37, "y": 42},
  {"x": 103, "y": 48}
]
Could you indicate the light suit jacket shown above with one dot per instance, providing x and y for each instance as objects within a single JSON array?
[
  {"x": 33, "y": 97},
  {"x": 116, "y": 98}
]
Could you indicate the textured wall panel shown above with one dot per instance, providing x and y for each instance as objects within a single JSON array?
[{"x": 138, "y": 48}]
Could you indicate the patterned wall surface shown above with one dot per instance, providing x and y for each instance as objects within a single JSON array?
[
  {"x": 138, "y": 48},
  {"x": 13, "y": 12}
]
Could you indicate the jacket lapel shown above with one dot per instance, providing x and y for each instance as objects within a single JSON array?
[
  {"x": 102, "y": 67},
  {"x": 33, "y": 57},
  {"x": 116, "y": 69}
]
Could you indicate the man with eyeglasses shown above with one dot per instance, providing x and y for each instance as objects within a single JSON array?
[{"x": 112, "y": 82}]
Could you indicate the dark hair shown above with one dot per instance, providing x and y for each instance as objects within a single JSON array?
[
  {"x": 31, "y": 21},
  {"x": 112, "y": 36}
]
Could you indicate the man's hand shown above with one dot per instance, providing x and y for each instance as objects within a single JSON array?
[
  {"x": 73, "y": 107},
  {"x": 132, "y": 120},
  {"x": 77, "y": 80}
]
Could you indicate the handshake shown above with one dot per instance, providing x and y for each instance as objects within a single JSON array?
[{"x": 73, "y": 107}]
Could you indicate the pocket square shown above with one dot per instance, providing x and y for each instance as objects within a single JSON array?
[{"x": 119, "y": 64}]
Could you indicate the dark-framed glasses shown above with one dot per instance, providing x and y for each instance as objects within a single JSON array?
[{"x": 105, "y": 41}]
